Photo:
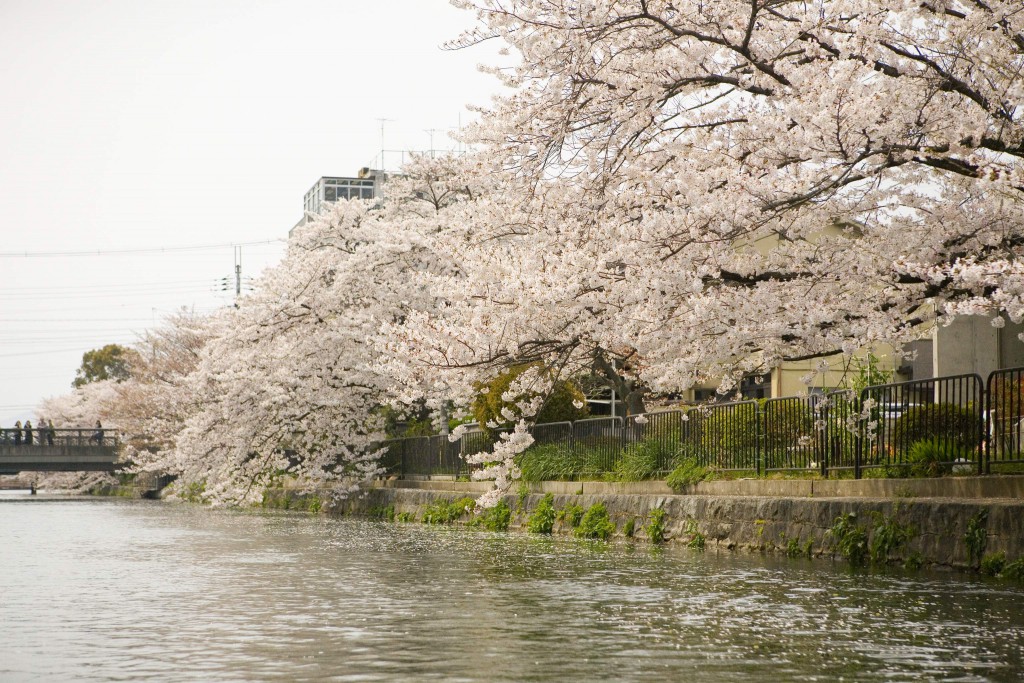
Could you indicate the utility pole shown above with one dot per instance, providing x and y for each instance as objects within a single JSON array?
[{"x": 430, "y": 132}]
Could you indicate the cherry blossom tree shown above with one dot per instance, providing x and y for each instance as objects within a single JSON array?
[
  {"x": 292, "y": 383},
  {"x": 703, "y": 190},
  {"x": 709, "y": 189}
]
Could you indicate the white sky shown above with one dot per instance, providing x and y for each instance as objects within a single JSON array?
[{"x": 138, "y": 124}]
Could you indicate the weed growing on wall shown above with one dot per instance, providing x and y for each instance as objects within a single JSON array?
[
  {"x": 571, "y": 515},
  {"x": 887, "y": 537},
  {"x": 497, "y": 518},
  {"x": 445, "y": 511},
  {"x": 976, "y": 537},
  {"x": 993, "y": 564},
  {"x": 697, "y": 539},
  {"x": 629, "y": 528},
  {"x": 794, "y": 548},
  {"x": 542, "y": 519},
  {"x": 1013, "y": 571},
  {"x": 655, "y": 527},
  {"x": 849, "y": 539},
  {"x": 596, "y": 523}
]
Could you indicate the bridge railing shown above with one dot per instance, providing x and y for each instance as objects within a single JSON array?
[{"x": 77, "y": 437}]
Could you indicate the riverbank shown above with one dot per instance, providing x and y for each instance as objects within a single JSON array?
[{"x": 951, "y": 522}]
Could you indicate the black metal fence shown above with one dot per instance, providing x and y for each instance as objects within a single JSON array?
[
  {"x": 924, "y": 427},
  {"x": 1004, "y": 417},
  {"x": 929, "y": 426}
]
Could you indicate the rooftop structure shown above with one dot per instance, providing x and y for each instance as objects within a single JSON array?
[{"x": 366, "y": 185}]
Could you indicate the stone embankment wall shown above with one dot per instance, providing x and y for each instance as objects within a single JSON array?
[{"x": 938, "y": 526}]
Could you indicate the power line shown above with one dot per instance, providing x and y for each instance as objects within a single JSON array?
[
  {"x": 141, "y": 250},
  {"x": 104, "y": 286},
  {"x": 49, "y": 352}
]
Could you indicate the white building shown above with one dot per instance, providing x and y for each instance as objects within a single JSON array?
[{"x": 366, "y": 185}]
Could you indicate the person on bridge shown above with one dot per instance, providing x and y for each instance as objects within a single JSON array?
[
  {"x": 28, "y": 432},
  {"x": 50, "y": 433},
  {"x": 97, "y": 436},
  {"x": 17, "y": 433}
]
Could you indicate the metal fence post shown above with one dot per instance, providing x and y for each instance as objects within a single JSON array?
[{"x": 759, "y": 448}]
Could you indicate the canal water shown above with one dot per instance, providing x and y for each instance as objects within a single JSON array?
[{"x": 97, "y": 590}]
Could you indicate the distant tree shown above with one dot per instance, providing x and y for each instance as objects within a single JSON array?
[
  {"x": 113, "y": 361},
  {"x": 564, "y": 402}
]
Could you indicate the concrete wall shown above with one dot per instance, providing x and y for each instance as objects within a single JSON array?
[
  {"x": 764, "y": 523},
  {"x": 968, "y": 345}
]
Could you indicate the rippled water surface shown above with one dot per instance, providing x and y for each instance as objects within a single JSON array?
[{"x": 131, "y": 590}]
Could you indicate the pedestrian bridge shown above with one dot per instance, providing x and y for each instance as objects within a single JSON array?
[{"x": 58, "y": 450}]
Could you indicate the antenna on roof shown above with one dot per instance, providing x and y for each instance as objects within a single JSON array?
[{"x": 382, "y": 122}]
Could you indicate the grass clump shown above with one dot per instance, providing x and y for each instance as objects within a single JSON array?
[
  {"x": 542, "y": 519},
  {"x": 595, "y": 523},
  {"x": 642, "y": 461},
  {"x": 445, "y": 511},
  {"x": 934, "y": 457},
  {"x": 554, "y": 462},
  {"x": 687, "y": 473}
]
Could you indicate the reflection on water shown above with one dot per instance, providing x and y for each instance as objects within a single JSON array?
[{"x": 129, "y": 590}]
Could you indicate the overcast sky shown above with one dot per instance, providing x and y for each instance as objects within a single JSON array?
[{"x": 137, "y": 125}]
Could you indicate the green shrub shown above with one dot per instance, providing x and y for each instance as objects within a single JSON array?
[
  {"x": 655, "y": 527},
  {"x": 595, "y": 523},
  {"x": 571, "y": 515},
  {"x": 542, "y": 520},
  {"x": 445, "y": 511},
  {"x": 497, "y": 518},
  {"x": 687, "y": 473},
  {"x": 405, "y": 517},
  {"x": 955, "y": 424}
]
